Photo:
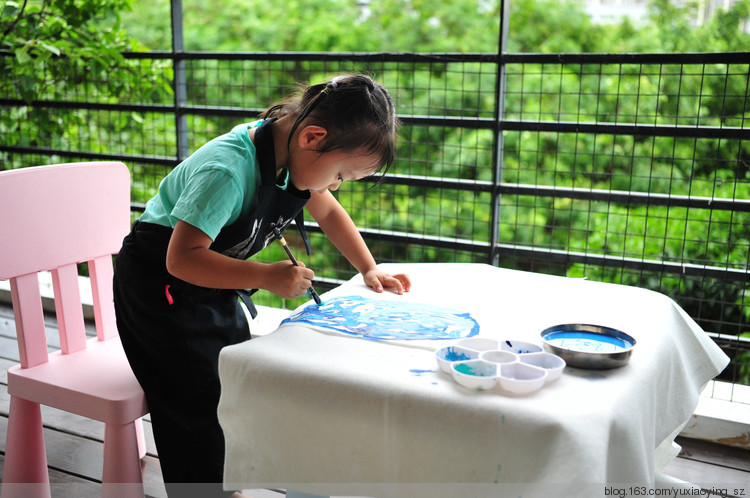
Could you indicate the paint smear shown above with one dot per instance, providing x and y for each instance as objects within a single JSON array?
[{"x": 387, "y": 320}]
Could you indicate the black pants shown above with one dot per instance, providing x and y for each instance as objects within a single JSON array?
[{"x": 172, "y": 333}]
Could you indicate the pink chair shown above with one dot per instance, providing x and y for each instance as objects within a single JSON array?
[{"x": 51, "y": 218}]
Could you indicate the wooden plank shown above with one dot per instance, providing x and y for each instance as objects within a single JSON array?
[
  {"x": 715, "y": 454},
  {"x": 66, "y": 485},
  {"x": 707, "y": 464},
  {"x": 78, "y": 456},
  {"x": 9, "y": 349},
  {"x": 707, "y": 475}
]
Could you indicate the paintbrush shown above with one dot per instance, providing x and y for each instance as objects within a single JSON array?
[{"x": 283, "y": 243}]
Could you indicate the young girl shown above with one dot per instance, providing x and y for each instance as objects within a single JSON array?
[{"x": 181, "y": 269}]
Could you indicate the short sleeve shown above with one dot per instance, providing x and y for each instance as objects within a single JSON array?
[{"x": 210, "y": 200}]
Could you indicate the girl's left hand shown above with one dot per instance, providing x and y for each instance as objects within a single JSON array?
[{"x": 377, "y": 280}]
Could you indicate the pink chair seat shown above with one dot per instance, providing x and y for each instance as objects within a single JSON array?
[{"x": 112, "y": 396}]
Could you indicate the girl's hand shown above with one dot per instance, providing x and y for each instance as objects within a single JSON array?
[
  {"x": 289, "y": 281},
  {"x": 377, "y": 280}
]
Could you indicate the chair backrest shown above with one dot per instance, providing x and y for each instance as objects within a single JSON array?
[{"x": 52, "y": 218}]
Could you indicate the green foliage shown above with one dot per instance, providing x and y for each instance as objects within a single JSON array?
[
  {"x": 70, "y": 50},
  {"x": 324, "y": 25},
  {"x": 55, "y": 39},
  {"x": 550, "y": 26}
]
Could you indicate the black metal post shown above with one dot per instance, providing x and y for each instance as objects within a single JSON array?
[
  {"x": 180, "y": 85},
  {"x": 497, "y": 154}
]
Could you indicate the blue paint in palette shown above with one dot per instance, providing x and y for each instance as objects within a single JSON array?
[
  {"x": 453, "y": 355},
  {"x": 382, "y": 320},
  {"x": 467, "y": 369}
]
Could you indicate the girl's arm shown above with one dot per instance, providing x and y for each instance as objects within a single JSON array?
[
  {"x": 190, "y": 259},
  {"x": 340, "y": 229}
]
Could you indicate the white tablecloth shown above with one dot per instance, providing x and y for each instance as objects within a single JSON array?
[{"x": 301, "y": 406}]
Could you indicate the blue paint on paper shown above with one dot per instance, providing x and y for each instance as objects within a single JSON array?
[
  {"x": 387, "y": 320},
  {"x": 416, "y": 371}
]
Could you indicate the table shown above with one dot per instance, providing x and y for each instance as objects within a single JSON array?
[{"x": 335, "y": 414}]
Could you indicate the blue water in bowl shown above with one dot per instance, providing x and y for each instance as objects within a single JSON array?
[{"x": 588, "y": 342}]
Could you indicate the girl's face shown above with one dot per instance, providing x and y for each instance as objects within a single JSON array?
[
  {"x": 311, "y": 170},
  {"x": 327, "y": 171}
]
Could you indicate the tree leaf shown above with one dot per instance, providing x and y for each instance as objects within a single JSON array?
[
  {"x": 22, "y": 54},
  {"x": 50, "y": 48}
]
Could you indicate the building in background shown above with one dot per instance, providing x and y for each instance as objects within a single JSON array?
[{"x": 611, "y": 11}]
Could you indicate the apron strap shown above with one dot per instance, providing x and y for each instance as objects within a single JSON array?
[
  {"x": 267, "y": 159},
  {"x": 244, "y": 295},
  {"x": 265, "y": 153}
]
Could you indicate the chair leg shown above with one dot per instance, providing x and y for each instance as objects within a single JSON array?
[
  {"x": 25, "y": 455},
  {"x": 122, "y": 464},
  {"x": 141, "y": 438}
]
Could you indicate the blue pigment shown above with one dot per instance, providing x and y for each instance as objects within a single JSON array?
[
  {"x": 466, "y": 369},
  {"x": 477, "y": 370},
  {"x": 453, "y": 355},
  {"x": 387, "y": 320},
  {"x": 416, "y": 371}
]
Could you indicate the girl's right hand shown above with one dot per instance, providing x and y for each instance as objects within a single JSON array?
[{"x": 289, "y": 281}]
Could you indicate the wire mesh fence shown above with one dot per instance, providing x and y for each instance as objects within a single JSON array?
[{"x": 631, "y": 169}]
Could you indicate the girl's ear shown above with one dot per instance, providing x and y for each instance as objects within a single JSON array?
[{"x": 311, "y": 136}]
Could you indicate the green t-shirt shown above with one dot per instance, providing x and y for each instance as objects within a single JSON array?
[{"x": 212, "y": 188}]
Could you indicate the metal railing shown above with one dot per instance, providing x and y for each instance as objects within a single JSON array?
[{"x": 626, "y": 168}]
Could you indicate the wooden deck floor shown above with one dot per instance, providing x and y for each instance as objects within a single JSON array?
[{"x": 74, "y": 444}]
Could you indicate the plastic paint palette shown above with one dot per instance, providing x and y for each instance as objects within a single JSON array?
[{"x": 482, "y": 363}]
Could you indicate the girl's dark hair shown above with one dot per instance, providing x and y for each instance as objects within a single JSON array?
[{"x": 356, "y": 111}]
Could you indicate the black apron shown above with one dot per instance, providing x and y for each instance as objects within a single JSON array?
[{"x": 172, "y": 331}]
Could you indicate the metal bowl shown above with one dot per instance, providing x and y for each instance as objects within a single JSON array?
[{"x": 589, "y": 346}]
